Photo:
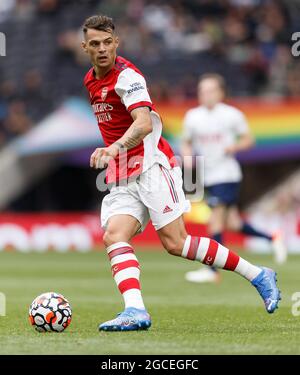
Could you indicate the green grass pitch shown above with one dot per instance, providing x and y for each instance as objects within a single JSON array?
[{"x": 187, "y": 318}]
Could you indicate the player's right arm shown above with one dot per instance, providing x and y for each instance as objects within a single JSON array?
[
  {"x": 139, "y": 129},
  {"x": 132, "y": 90}
]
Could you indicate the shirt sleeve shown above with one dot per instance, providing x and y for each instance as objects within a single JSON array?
[
  {"x": 240, "y": 123},
  {"x": 132, "y": 89}
]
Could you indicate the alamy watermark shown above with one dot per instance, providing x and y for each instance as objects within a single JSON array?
[
  {"x": 189, "y": 173},
  {"x": 2, "y": 304},
  {"x": 296, "y": 46},
  {"x": 2, "y": 45},
  {"x": 296, "y": 304}
]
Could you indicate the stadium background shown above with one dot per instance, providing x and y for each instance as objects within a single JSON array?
[
  {"x": 249, "y": 42},
  {"x": 48, "y": 194}
]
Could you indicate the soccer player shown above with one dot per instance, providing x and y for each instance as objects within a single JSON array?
[
  {"x": 217, "y": 131},
  {"x": 146, "y": 183}
]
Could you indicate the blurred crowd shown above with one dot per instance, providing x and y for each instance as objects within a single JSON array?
[
  {"x": 279, "y": 210},
  {"x": 248, "y": 41},
  {"x": 22, "y": 106}
]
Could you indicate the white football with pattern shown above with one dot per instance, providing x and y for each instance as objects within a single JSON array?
[{"x": 50, "y": 312}]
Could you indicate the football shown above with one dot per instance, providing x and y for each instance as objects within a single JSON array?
[{"x": 50, "y": 312}]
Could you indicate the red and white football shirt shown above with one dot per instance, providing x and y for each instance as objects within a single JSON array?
[{"x": 113, "y": 97}]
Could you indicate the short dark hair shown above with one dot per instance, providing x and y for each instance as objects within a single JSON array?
[
  {"x": 217, "y": 77},
  {"x": 98, "y": 22}
]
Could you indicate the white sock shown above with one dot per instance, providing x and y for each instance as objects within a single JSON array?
[
  {"x": 126, "y": 272},
  {"x": 212, "y": 253},
  {"x": 133, "y": 298}
]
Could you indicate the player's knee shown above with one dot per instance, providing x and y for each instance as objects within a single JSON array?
[
  {"x": 110, "y": 237},
  {"x": 173, "y": 247},
  {"x": 216, "y": 227},
  {"x": 107, "y": 239},
  {"x": 233, "y": 226}
]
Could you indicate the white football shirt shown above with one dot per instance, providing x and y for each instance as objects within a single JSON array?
[{"x": 211, "y": 131}]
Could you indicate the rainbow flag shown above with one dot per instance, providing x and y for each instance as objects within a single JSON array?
[{"x": 275, "y": 125}]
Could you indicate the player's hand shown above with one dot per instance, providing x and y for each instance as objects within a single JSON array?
[
  {"x": 97, "y": 158},
  {"x": 102, "y": 156},
  {"x": 231, "y": 150}
]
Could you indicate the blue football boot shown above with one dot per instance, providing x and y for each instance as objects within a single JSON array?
[
  {"x": 131, "y": 319},
  {"x": 265, "y": 283}
]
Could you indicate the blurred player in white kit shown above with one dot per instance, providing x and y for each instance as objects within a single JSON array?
[{"x": 218, "y": 131}]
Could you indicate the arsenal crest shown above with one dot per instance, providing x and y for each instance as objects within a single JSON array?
[{"x": 104, "y": 93}]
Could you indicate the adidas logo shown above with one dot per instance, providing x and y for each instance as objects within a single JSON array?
[{"x": 167, "y": 209}]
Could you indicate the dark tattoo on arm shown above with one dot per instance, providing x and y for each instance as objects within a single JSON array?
[
  {"x": 119, "y": 145},
  {"x": 138, "y": 130},
  {"x": 134, "y": 138},
  {"x": 131, "y": 140}
]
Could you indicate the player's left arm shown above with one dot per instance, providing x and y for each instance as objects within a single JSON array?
[
  {"x": 245, "y": 139},
  {"x": 243, "y": 143}
]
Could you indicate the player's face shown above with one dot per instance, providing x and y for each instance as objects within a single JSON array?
[
  {"x": 210, "y": 93},
  {"x": 101, "y": 46}
]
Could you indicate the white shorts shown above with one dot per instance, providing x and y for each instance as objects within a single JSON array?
[{"x": 156, "y": 194}]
